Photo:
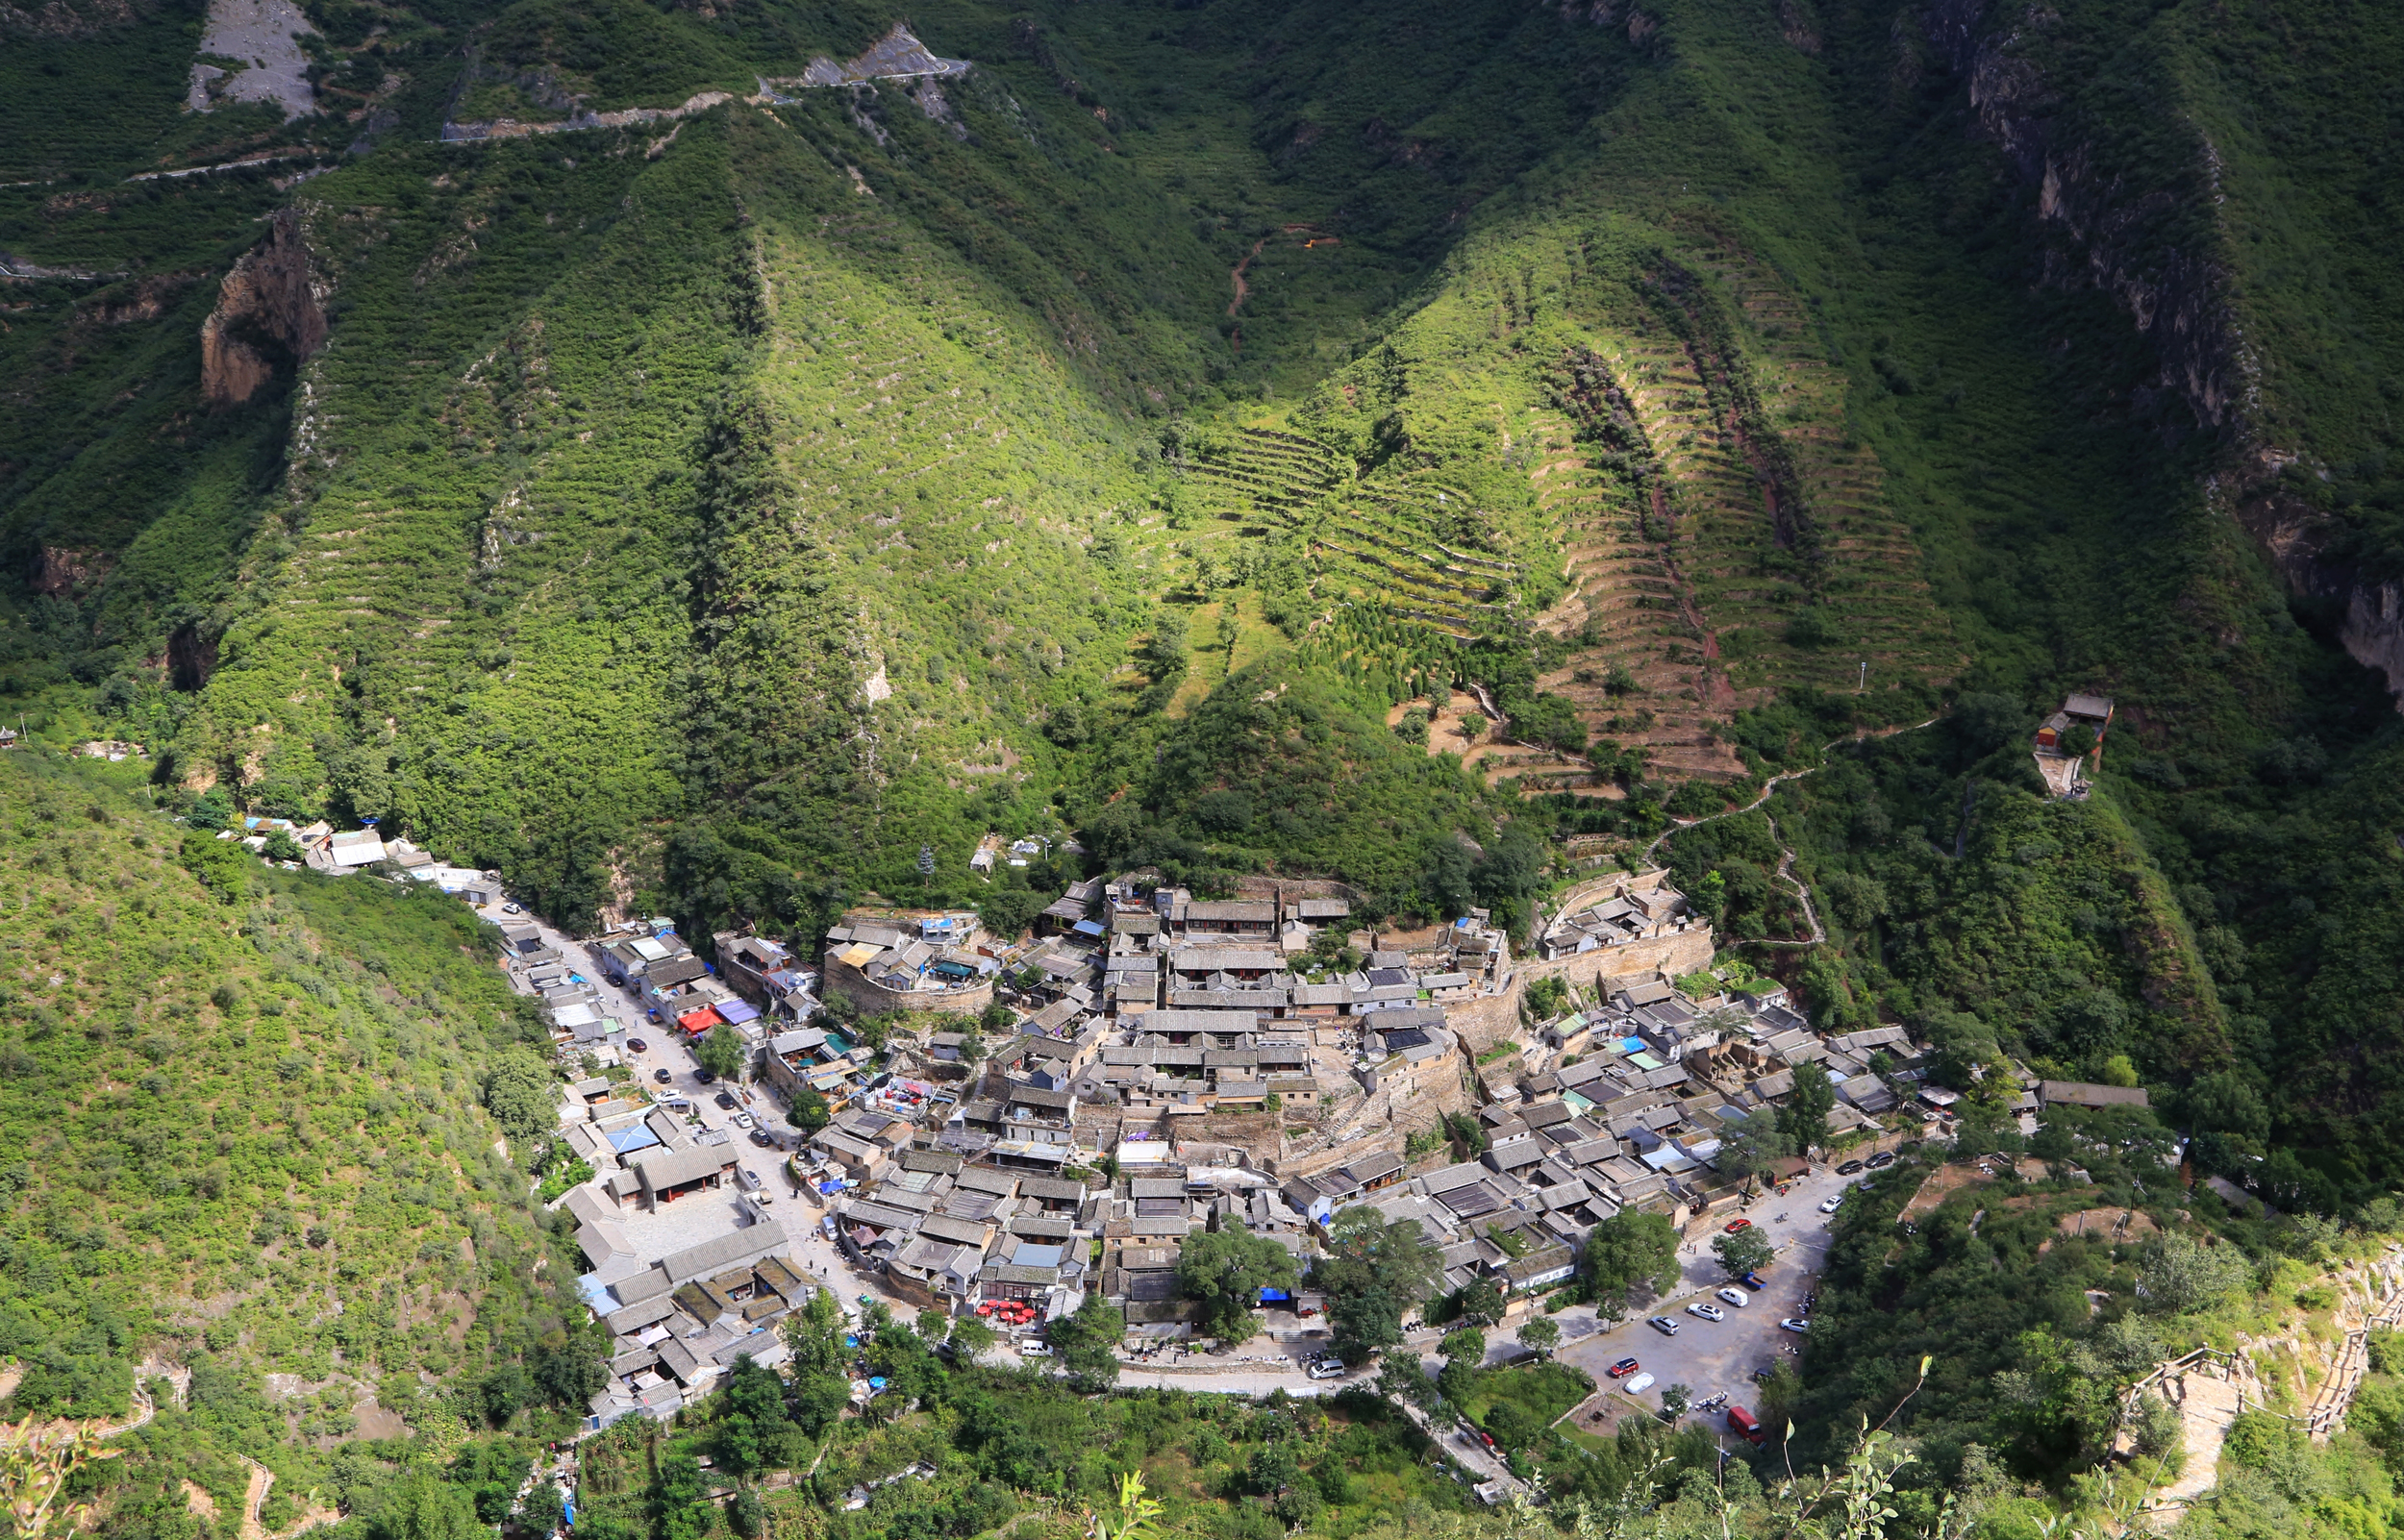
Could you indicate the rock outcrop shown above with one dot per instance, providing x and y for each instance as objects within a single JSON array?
[
  {"x": 2154, "y": 247},
  {"x": 270, "y": 313},
  {"x": 2175, "y": 291},
  {"x": 2295, "y": 537},
  {"x": 80, "y": 20},
  {"x": 64, "y": 571}
]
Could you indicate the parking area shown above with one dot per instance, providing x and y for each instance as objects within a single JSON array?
[{"x": 1720, "y": 1358}]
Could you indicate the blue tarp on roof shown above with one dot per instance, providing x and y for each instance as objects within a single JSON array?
[
  {"x": 1631, "y": 1045},
  {"x": 739, "y": 1010},
  {"x": 626, "y": 1141},
  {"x": 1088, "y": 928},
  {"x": 1276, "y": 1296}
]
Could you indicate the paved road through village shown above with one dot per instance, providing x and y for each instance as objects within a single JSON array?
[{"x": 1718, "y": 1358}]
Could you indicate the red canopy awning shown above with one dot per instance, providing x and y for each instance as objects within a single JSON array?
[{"x": 700, "y": 1021}]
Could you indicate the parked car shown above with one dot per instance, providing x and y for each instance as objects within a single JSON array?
[
  {"x": 636, "y": 1045},
  {"x": 744, "y": 1120},
  {"x": 662, "y": 1075},
  {"x": 511, "y": 909},
  {"x": 1849, "y": 1168},
  {"x": 1639, "y": 1385},
  {"x": 747, "y": 1179},
  {"x": 1829, "y": 1206},
  {"x": 1323, "y": 1366},
  {"x": 1735, "y": 1298},
  {"x": 1882, "y": 1160},
  {"x": 1795, "y": 1324},
  {"x": 1735, "y": 1225},
  {"x": 1742, "y": 1423},
  {"x": 1707, "y": 1312},
  {"x": 761, "y": 1139},
  {"x": 705, "y": 1077},
  {"x": 1664, "y": 1324},
  {"x": 1034, "y": 1349},
  {"x": 1622, "y": 1369},
  {"x": 724, "y": 1099}
]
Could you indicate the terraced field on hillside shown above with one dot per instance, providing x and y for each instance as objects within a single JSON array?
[
  {"x": 1368, "y": 539},
  {"x": 1713, "y": 562}
]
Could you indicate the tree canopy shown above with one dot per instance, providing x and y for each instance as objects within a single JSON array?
[
  {"x": 1628, "y": 1251},
  {"x": 1373, "y": 1273},
  {"x": 1226, "y": 1270}
]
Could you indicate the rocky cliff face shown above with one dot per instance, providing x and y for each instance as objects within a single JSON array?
[
  {"x": 2294, "y": 535},
  {"x": 2175, "y": 293},
  {"x": 56, "y": 18},
  {"x": 270, "y": 313},
  {"x": 65, "y": 571}
]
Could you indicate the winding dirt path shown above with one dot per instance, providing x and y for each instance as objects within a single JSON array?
[
  {"x": 254, "y": 1499},
  {"x": 1244, "y": 290},
  {"x": 1786, "y": 853},
  {"x": 1802, "y": 890}
]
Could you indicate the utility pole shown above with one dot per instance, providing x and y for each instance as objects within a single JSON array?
[{"x": 1863, "y": 688}]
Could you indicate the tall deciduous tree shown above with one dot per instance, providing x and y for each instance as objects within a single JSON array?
[
  {"x": 1374, "y": 1272},
  {"x": 1747, "y": 1250},
  {"x": 1088, "y": 1341},
  {"x": 808, "y": 1112},
  {"x": 751, "y": 1433},
  {"x": 814, "y": 1335},
  {"x": 1804, "y": 1117},
  {"x": 1626, "y": 1249},
  {"x": 1226, "y": 1270},
  {"x": 723, "y": 1052}
]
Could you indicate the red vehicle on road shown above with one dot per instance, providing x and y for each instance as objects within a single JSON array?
[
  {"x": 1742, "y": 1423},
  {"x": 1623, "y": 1367},
  {"x": 1735, "y": 1225}
]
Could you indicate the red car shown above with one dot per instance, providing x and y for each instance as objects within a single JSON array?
[
  {"x": 1623, "y": 1367},
  {"x": 1735, "y": 1225}
]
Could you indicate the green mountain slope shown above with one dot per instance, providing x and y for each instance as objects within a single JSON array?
[
  {"x": 712, "y": 509},
  {"x": 243, "y": 1135}
]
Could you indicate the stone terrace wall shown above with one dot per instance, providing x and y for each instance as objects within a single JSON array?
[
  {"x": 1683, "y": 953},
  {"x": 875, "y": 999}
]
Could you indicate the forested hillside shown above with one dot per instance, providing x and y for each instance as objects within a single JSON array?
[
  {"x": 716, "y": 509},
  {"x": 258, "y": 1123}
]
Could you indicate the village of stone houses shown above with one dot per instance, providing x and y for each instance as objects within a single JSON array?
[{"x": 1007, "y": 1126}]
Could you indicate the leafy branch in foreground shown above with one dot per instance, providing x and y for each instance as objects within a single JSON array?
[{"x": 35, "y": 1459}]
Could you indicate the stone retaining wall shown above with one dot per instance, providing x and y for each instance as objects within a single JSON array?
[{"x": 875, "y": 999}]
